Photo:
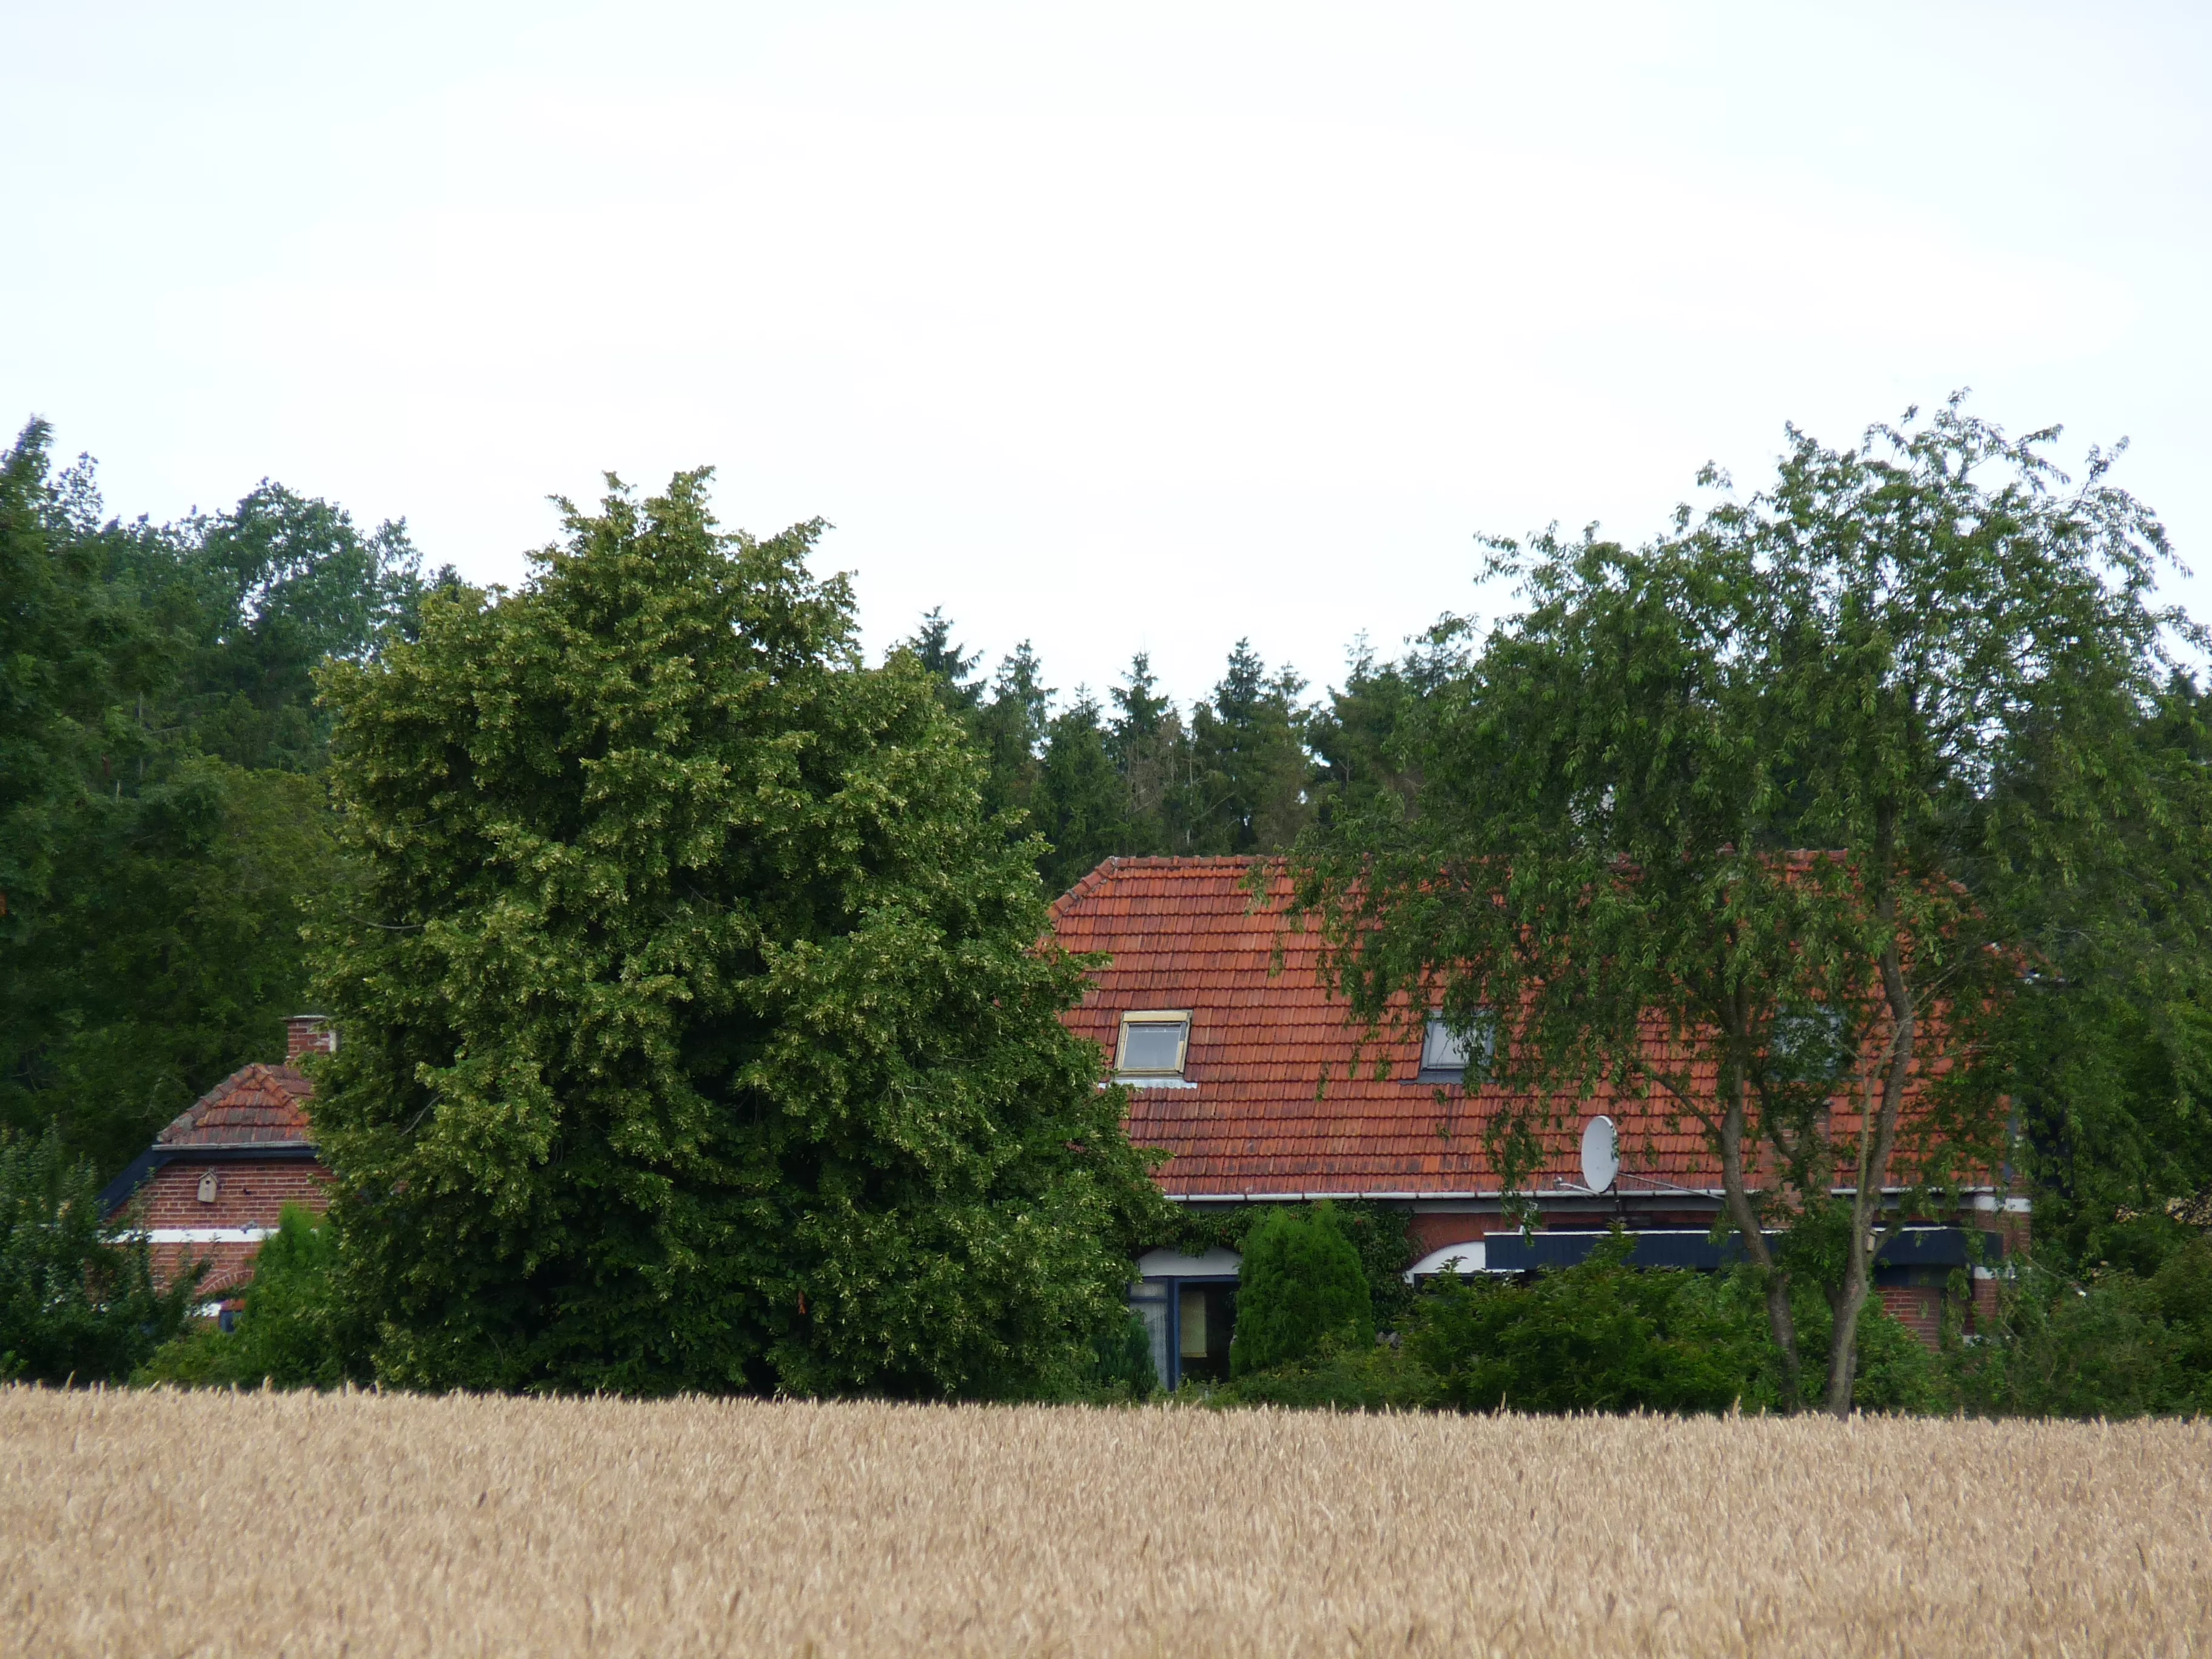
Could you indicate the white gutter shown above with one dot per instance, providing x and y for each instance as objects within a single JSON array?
[{"x": 1985, "y": 1199}]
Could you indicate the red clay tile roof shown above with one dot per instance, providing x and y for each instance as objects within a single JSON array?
[
  {"x": 256, "y": 1105},
  {"x": 1184, "y": 933}
]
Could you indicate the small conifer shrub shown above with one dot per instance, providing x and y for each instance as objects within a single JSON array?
[{"x": 1302, "y": 1282}]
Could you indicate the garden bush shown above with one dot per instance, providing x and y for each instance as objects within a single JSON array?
[
  {"x": 1598, "y": 1336},
  {"x": 2112, "y": 1342},
  {"x": 1340, "y": 1375},
  {"x": 1122, "y": 1363},
  {"x": 292, "y": 1332},
  {"x": 77, "y": 1297},
  {"x": 1301, "y": 1283}
]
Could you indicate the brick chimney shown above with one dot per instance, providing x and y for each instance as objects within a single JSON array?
[{"x": 309, "y": 1034}]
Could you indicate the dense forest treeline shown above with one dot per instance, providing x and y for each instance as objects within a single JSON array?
[
  {"x": 162, "y": 816},
  {"x": 1246, "y": 769}
]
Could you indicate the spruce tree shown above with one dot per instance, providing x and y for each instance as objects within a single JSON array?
[
  {"x": 1250, "y": 759},
  {"x": 1009, "y": 729},
  {"x": 1147, "y": 744},
  {"x": 1082, "y": 803},
  {"x": 943, "y": 660},
  {"x": 1355, "y": 736}
]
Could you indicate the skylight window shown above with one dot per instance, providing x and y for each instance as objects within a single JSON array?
[
  {"x": 1154, "y": 1043},
  {"x": 1449, "y": 1050}
]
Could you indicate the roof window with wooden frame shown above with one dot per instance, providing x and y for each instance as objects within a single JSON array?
[{"x": 1153, "y": 1045}]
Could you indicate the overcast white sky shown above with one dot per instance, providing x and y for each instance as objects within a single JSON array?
[{"x": 1111, "y": 326}]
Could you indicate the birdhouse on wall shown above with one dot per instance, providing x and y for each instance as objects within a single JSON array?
[{"x": 207, "y": 1188}]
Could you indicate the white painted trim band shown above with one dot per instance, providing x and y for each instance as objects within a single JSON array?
[{"x": 208, "y": 1235}]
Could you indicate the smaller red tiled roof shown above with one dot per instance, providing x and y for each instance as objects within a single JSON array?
[{"x": 257, "y": 1105}]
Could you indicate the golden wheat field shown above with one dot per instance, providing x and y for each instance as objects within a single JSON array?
[{"x": 175, "y": 1523}]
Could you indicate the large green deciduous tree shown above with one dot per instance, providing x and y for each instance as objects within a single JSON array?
[
  {"x": 169, "y": 952},
  {"x": 700, "y": 1028},
  {"x": 1805, "y": 782},
  {"x": 159, "y": 819},
  {"x": 2109, "y": 1046},
  {"x": 278, "y": 584},
  {"x": 72, "y": 644}
]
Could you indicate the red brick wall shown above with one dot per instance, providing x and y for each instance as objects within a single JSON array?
[
  {"x": 1434, "y": 1231},
  {"x": 246, "y": 1194},
  {"x": 1919, "y": 1308}
]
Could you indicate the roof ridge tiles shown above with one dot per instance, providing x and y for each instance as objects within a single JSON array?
[{"x": 1171, "y": 864}]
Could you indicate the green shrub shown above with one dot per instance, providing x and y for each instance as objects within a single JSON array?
[
  {"x": 1301, "y": 1282},
  {"x": 2115, "y": 1343},
  {"x": 2181, "y": 1290},
  {"x": 1376, "y": 1229},
  {"x": 1341, "y": 1377},
  {"x": 1896, "y": 1371},
  {"x": 77, "y": 1297},
  {"x": 1121, "y": 1362},
  {"x": 1598, "y": 1336},
  {"x": 291, "y": 1333}
]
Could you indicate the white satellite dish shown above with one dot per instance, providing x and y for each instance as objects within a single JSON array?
[{"x": 1601, "y": 1155}]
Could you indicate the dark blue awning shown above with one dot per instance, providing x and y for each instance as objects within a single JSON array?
[{"x": 1912, "y": 1247}]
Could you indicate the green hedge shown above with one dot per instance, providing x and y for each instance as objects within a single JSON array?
[{"x": 1598, "y": 1336}]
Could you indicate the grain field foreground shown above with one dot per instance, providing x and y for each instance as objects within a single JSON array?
[{"x": 173, "y": 1523}]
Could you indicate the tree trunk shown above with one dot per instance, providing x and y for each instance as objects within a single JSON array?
[
  {"x": 1843, "y": 1345},
  {"x": 1867, "y": 1227},
  {"x": 1773, "y": 1280}
]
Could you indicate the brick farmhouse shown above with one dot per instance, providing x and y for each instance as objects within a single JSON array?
[
  {"x": 1225, "y": 1054},
  {"x": 1241, "y": 1067}
]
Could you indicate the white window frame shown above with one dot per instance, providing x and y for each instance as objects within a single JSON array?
[
  {"x": 1479, "y": 1052},
  {"x": 1151, "y": 1017}
]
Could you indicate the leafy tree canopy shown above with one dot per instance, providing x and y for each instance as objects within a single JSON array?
[
  {"x": 280, "y": 583},
  {"x": 1808, "y": 780},
  {"x": 698, "y": 1030},
  {"x": 159, "y": 828}
]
